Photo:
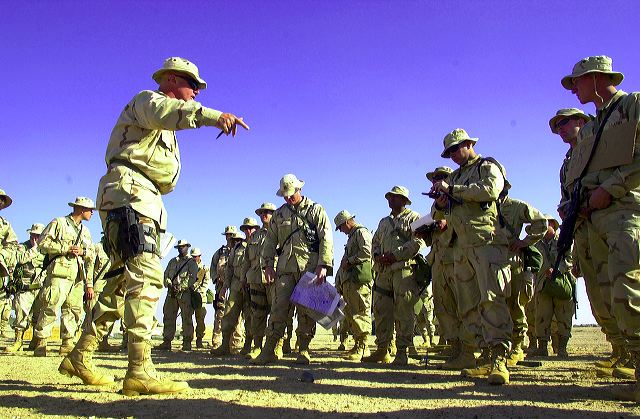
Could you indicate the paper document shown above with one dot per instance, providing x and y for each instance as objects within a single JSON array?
[
  {"x": 320, "y": 297},
  {"x": 424, "y": 221}
]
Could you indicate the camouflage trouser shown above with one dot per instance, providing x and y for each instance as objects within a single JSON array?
[
  {"x": 201, "y": 326},
  {"x": 218, "y": 307},
  {"x": 424, "y": 319},
  {"x": 394, "y": 298},
  {"x": 22, "y": 304},
  {"x": 530, "y": 311},
  {"x": 358, "y": 310},
  {"x": 596, "y": 280},
  {"x": 483, "y": 275},
  {"x": 548, "y": 308},
  {"x": 5, "y": 311},
  {"x": 520, "y": 293},
  {"x": 621, "y": 231},
  {"x": 262, "y": 296},
  {"x": 132, "y": 295},
  {"x": 281, "y": 310},
  {"x": 36, "y": 307},
  {"x": 62, "y": 294},
  {"x": 170, "y": 315},
  {"x": 445, "y": 305},
  {"x": 237, "y": 303}
]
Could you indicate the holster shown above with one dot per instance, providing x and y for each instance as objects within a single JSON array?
[{"x": 131, "y": 239}]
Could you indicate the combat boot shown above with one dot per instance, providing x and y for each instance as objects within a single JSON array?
[
  {"x": 247, "y": 345},
  {"x": 141, "y": 377},
  {"x": 17, "y": 343},
  {"x": 78, "y": 363},
  {"x": 66, "y": 347},
  {"x": 164, "y": 346},
  {"x": 342, "y": 346},
  {"x": 401, "y": 359},
  {"x": 32, "y": 343},
  {"x": 286, "y": 346},
  {"x": 483, "y": 365},
  {"x": 427, "y": 340},
  {"x": 360, "y": 350},
  {"x": 616, "y": 353},
  {"x": 186, "y": 345},
  {"x": 393, "y": 349},
  {"x": 563, "y": 341},
  {"x": 41, "y": 347},
  {"x": 555, "y": 343},
  {"x": 267, "y": 354},
  {"x": 257, "y": 347},
  {"x": 499, "y": 374},
  {"x": 279, "y": 352},
  {"x": 516, "y": 355},
  {"x": 381, "y": 355},
  {"x": 199, "y": 344},
  {"x": 104, "y": 346},
  {"x": 304, "y": 357},
  {"x": 465, "y": 359},
  {"x": 543, "y": 349},
  {"x": 631, "y": 393},
  {"x": 225, "y": 347}
]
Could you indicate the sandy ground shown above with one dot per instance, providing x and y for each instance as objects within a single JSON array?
[{"x": 232, "y": 388}]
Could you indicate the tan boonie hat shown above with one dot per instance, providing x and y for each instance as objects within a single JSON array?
[
  {"x": 36, "y": 228},
  {"x": 84, "y": 202},
  {"x": 180, "y": 65},
  {"x": 342, "y": 217},
  {"x": 6, "y": 199},
  {"x": 288, "y": 185},
  {"x": 266, "y": 206},
  {"x": 237, "y": 235},
  {"x": 248, "y": 223},
  {"x": 196, "y": 252},
  {"x": 595, "y": 64},
  {"x": 553, "y": 219},
  {"x": 230, "y": 230},
  {"x": 455, "y": 137},
  {"x": 181, "y": 243},
  {"x": 399, "y": 190},
  {"x": 564, "y": 113},
  {"x": 442, "y": 169}
]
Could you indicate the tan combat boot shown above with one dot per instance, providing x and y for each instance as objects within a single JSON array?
[
  {"x": 465, "y": 359},
  {"x": 247, "y": 345},
  {"x": 563, "y": 341},
  {"x": 401, "y": 359},
  {"x": 516, "y": 355},
  {"x": 543, "y": 349},
  {"x": 612, "y": 360},
  {"x": 631, "y": 393},
  {"x": 199, "y": 344},
  {"x": 41, "y": 347},
  {"x": 483, "y": 365},
  {"x": 499, "y": 374},
  {"x": 360, "y": 350},
  {"x": 141, "y": 375},
  {"x": 17, "y": 343},
  {"x": 279, "y": 350},
  {"x": 555, "y": 343},
  {"x": 304, "y": 357},
  {"x": 427, "y": 340},
  {"x": 257, "y": 347},
  {"x": 225, "y": 348},
  {"x": 164, "y": 346},
  {"x": 78, "y": 363},
  {"x": 66, "y": 347},
  {"x": 380, "y": 355},
  {"x": 267, "y": 354},
  {"x": 105, "y": 347}
]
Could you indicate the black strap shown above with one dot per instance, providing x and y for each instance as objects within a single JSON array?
[
  {"x": 180, "y": 270},
  {"x": 304, "y": 221},
  {"x": 382, "y": 291},
  {"x": 114, "y": 272}
]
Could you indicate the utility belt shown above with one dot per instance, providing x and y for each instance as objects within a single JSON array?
[{"x": 134, "y": 238}]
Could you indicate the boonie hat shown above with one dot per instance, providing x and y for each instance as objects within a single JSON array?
[
  {"x": 6, "y": 199},
  {"x": 442, "y": 169},
  {"x": 399, "y": 190},
  {"x": 248, "y": 223},
  {"x": 288, "y": 185},
  {"x": 84, "y": 202},
  {"x": 180, "y": 65},
  {"x": 342, "y": 217},
  {"x": 455, "y": 137},
  {"x": 36, "y": 228},
  {"x": 230, "y": 230},
  {"x": 594, "y": 64},
  {"x": 196, "y": 252},
  {"x": 553, "y": 219},
  {"x": 564, "y": 113},
  {"x": 266, "y": 206},
  {"x": 181, "y": 243}
]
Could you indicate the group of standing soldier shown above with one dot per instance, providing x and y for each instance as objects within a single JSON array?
[{"x": 491, "y": 287}]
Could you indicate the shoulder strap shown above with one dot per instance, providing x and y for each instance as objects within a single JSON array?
[{"x": 180, "y": 270}]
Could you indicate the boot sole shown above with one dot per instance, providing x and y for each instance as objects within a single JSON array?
[{"x": 135, "y": 393}]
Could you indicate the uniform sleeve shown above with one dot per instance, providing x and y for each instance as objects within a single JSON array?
[
  {"x": 228, "y": 269},
  {"x": 206, "y": 280},
  {"x": 89, "y": 258},
  {"x": 50, "y": 243},
  {"x": 486, "y": 189},
  {"x": 363, "y": 247},
  {"x": 376, "y": 242},
  {"x": 246, "y": 265},
  {"x": 268, "y": 254},
  {"x": 537, "y": 224},
  {"x": 167, "y": 273},
  {"x": 213, "y": 268},
  {"x": 323, "y": 226},
  {"x": 410, "y": 248},
  {"x": 159, "y": 112},
  {"x": 193, "y": 272}
]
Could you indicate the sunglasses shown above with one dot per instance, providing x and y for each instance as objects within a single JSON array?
[
  {"x": 191, "y": 82},
  {"x": 562, "y": 122},
  {"x": 454, "y": 148},
  {"x": 439, "y": 177}
]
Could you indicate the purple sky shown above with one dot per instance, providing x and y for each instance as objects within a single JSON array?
[{"x": 352, "y": 96}]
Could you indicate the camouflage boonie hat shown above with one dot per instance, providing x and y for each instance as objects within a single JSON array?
[
  {"x": 288, "y": 185},
  {"x": 181, "y": 243},
  {"x": 342, "y": 217},
  {"x": 594, "y": 64},
  {"x": 5, "y": 200},
  {"x": 230, "y": 230},
  {"x": 442, "y": 169},
  {"x": 564, "y": 113},
  {"x": 84, "y": 202},
  {"x": 399, "y": 190},
  {"x": 237, "y": 236},
  {"x": 36, "y": 228},
  {"x": 455, "y": 137},
  {"x": 196, "y": 252},
  {"x": 180, "y": 65},
  {"x": 266, "y": 206},
  {"x": 248, "y": 223}
]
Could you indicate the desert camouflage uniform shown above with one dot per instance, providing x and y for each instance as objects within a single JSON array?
[
  {"x": 8, "y": 249},
  {"x": 238, "y": 302},
  {"x": 29, "y": 265},
  {"x": 216, "y": 269},
  {"x": 100, "y": 268},
  {"x": 261, "y": 293},
  {"x": 179, "y": 299},
  {"x": 201, "y": 286}
]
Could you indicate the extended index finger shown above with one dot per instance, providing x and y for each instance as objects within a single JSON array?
[{"x": 240, "y": 122}]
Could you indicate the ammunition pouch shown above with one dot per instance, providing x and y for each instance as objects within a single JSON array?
[{"x": 131, "y": 239}]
